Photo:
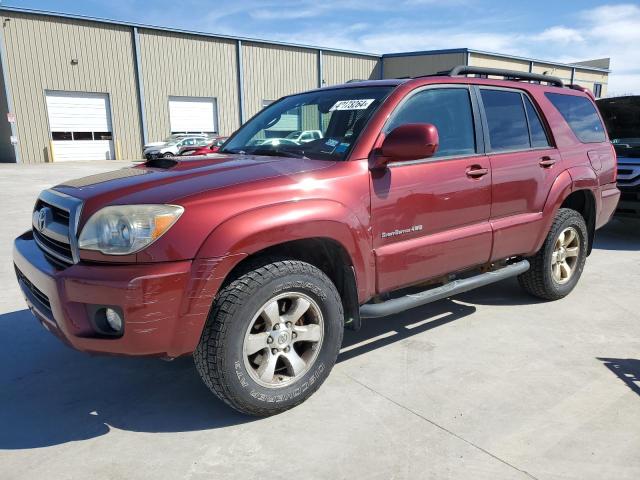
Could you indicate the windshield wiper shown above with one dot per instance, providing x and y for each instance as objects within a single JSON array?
[{"x": 268, "y": 152}]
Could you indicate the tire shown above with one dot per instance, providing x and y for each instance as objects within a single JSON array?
[
  {"x": 547, "y": 278},
  {"x": 241, "y": 313},
  {"x": 167, "y": 155}
]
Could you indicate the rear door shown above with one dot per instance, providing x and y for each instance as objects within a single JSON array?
[
  {"x": 524, "y": 166},
  {"x": 430, "y": 216}
]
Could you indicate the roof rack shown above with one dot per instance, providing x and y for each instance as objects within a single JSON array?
[{"x": 508, "y": 74}]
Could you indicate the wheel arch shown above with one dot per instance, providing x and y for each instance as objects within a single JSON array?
[
  {"x": 321, "y": 232},
  {"x": 584, "y": 202}
]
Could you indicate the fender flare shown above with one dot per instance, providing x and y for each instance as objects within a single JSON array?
[
  {"x": 254, "y": 230},
  {"x": 569, "y": 181},
  {"x": 560, "y": 190}
]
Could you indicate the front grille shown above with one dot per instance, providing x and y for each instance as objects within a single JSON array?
[
  {"x": 629, "y": 174},
  {"x": 60, "y": 251},
  {"x": 36, "y": 296},
  {"x": 55, "y": 234}
]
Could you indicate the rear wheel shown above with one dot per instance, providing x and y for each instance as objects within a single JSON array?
[
  {"x": 272, "y": 337},
  {"x": 557, "y": 267}
]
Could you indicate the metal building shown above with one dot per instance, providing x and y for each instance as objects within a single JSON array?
[{"x": 74, "y": 87}]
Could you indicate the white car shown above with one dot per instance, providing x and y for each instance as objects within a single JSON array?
[
  {"x": 304, "y": 136},
  {"x": 172, "y": 147}
]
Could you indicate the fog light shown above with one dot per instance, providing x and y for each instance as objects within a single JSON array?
[{"x": 114, "y": 319}]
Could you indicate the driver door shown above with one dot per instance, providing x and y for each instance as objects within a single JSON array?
[{"x": 430, "y": 216}]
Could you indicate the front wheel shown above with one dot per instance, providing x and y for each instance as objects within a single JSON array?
[
  {"x": 272, "y": 338},
  {"x": 557, "y": 267}
]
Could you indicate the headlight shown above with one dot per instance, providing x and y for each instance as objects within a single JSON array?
[{"x": 124, "y": 229}]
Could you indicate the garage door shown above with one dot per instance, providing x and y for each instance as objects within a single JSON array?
[
  {"x": 193, "y": 115},
  {"x": 80, "y": 125}
]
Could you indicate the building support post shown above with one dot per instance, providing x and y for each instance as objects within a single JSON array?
[
  {"x": 320, "y": 69},
  {"x": 240, "y": 72},
  {"x": 140, "y": 84},
  {"x": 7, "y": 92},
  {"x": 573, "y": 75},
  {"x": 531, "y": 67}
]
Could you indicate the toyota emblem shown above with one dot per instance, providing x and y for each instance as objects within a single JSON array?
[{"x": 43, "y": 216}]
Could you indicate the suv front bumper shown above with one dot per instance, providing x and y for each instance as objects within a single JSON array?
[{"x": 165, "y": 305}]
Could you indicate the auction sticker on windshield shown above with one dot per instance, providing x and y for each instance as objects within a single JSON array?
[{"x": 361, "y": 104}]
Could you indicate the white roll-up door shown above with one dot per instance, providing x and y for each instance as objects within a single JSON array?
[
  {"x": 80, "y": 124},
  {"x": 193, "y": 115}
]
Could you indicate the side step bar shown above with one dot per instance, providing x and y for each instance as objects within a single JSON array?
[{"x": 396, "y": 305}]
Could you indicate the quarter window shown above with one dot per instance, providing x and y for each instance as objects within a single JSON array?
[
  {"x": 581, "y": 116},
  {"x": 506, "y": 120},
  {"x": 449, "y": 109}
]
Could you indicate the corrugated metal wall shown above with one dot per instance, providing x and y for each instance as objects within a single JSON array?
[
  {"x": 339, "y": 68},
  {"x": 490, "y": 61},
  {"x": 271, "y": 72},
  {"x": 40, "y": 48},
  {"x": 187, "y": 65},
  {"x": 416, "y": 65},
  {"x": 39, "y": 52},
  {"x": 587, "y": 79}
]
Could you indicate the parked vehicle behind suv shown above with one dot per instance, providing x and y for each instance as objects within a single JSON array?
[
  {"x": 212, "y": 147},
  {"x": 255, "y": 259},
  {"x": 622, "y": 118},
  {"x": 173, "y": 147}
]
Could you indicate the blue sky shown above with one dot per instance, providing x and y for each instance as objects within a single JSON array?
[{"x": 554, "y": 30}]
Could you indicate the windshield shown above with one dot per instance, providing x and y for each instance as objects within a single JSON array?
[{"x": 333, "y": 119}]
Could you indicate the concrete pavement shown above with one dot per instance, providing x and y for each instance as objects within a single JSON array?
[{"x": 491, "y": 384}]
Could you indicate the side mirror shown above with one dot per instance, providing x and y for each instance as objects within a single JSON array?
[{"x": 411, "y": 141}]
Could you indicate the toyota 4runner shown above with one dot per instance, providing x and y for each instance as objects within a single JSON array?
[{"x": 256, "y": 258}]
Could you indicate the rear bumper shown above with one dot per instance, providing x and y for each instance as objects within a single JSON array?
[
  {"x": 165, "y": 305},
  {"x": 609, "y": 198}
]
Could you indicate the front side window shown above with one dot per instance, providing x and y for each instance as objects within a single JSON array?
[
  {"x": 449, "y": 110},
  {"x": 580, "y": 113},
  {"x": 338, "y": 116},
  {"x": 506, "y": 120}
]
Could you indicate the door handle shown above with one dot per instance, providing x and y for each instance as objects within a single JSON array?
[
  {"x": 476, "y": 171},
  {"x": 546, "y": 162}
]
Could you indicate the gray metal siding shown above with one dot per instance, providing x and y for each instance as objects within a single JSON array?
[
  {"x": 271, "y": 72},
  {"x": 183, "y": 65},
  {"x": 7, "y": 153},
  {"x": 416, "y": 65},
  {"x": 39, "y": 53},
  {"x": 340, "y": 68}
]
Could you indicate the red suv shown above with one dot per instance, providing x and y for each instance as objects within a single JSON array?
[{"x": 254, "y": 259}]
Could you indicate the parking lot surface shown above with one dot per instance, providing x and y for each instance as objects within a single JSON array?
[{"x": 491, "y": 384}]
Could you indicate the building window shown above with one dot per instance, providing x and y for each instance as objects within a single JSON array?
[{"x": 597, "y": 90}]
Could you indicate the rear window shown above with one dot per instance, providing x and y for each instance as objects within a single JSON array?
[{"x": 581, "y": 116}]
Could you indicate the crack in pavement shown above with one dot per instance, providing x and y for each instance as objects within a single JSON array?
[{"x": 413, "y": 412}]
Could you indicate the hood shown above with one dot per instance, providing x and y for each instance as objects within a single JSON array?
[{"x": 172, "y": 180}]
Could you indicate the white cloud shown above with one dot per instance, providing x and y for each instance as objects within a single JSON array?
[{"x": 560, "y": 34}]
